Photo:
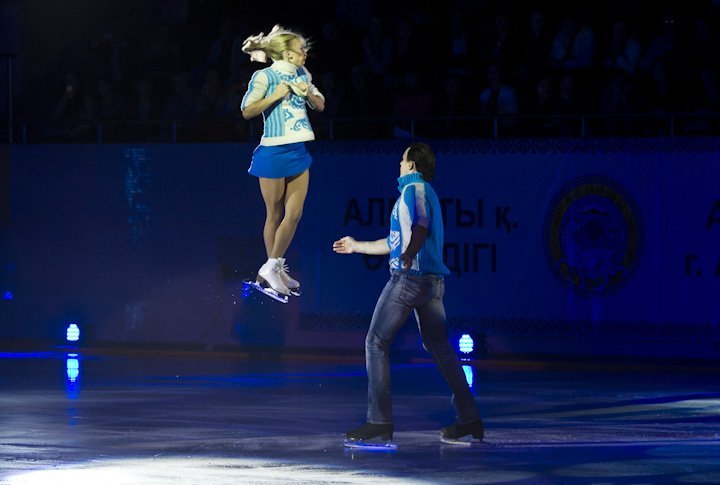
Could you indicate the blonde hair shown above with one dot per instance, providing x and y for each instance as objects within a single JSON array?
[{"x": 272, "y": 45}]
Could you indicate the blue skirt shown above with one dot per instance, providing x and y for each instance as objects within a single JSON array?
[{"x": 280, "y": 161}]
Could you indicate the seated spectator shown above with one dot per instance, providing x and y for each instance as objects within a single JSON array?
[
  {"x": 109, "y": 103},
  {"x": 181, "y": 106},
  {"x": 499, "y": 99},
  {"x": 329, "y": 53},
  {"x": 413, "y": 100},
  {"x": 220, "y": 57},
  {"x": 616, "y": 99},
  {"x": 360, "y": 102},
  {"x": 377, "y": 50},
  {"x": 215, "y": 105},
  {"x": 658, "y": 66},
  {"x": 573, "y": 52},
  {"x": 180, "y": 103},
  {"x": 334, "y": 97},
  {"x": 502, "y": 46},
  {"x": 406, "y": 54},
  {"x": 703, "y": 70},
  {"x": 72, "y": 112},
  {"x": 145, "y": 105},
  {"x": 160, "y": 56},
  {"x": 543, "y": 104},
  {"x": 573, "y": 47},
  {"x": 535, "y": 45},
  {"x": 569, "y": 104},
  {"x": 460, "y": 46},
  {"x": 452, "y": 103},
  {"x": 622, "y": 50},
  {"x": 110, "y": 54}
]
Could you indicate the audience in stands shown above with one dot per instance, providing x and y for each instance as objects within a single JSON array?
[{"x": 430, "y": 59}]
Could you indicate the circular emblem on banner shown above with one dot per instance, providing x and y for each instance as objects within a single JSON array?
[{"x": 592, "y": 235}]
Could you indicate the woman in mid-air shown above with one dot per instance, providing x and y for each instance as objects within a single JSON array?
[{"x": 281, "y": 161}]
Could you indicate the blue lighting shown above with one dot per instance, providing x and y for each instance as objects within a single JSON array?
[
  {"x": 466, "y": 344},
  {"x": 73, "y": 369},
  {"x": 7, "y": 295},
  {"x": 468, "y": 374},
  {"x": 72, "y": 377},
  {"x": 73, "y": 332}
]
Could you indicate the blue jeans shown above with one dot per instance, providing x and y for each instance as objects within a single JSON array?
[{"x": 401, "y": 295}]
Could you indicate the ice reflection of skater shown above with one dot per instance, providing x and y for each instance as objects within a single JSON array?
[
  {"x": 415, "y": 245},
  {"x": 281, "y": 161}
]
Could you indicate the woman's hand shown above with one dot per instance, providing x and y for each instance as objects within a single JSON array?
[
  {"x": 301, "y": 88},
  {"x": 281, "y": 90}
]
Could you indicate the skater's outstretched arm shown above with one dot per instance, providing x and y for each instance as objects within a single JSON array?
[{"x": 349, "y": 245}]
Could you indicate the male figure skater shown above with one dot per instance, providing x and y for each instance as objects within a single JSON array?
[{"x": 415, "y": 245}]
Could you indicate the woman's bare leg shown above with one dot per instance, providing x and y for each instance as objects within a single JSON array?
[
  {"x": 296, "y": 190},
  {"x": 273, "y": 194}
]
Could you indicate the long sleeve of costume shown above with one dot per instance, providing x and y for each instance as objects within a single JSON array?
[
  {"x": 311, "y": 87},
  {"x": 257, "y": 89},
  {"x": 286, "y": 121}
]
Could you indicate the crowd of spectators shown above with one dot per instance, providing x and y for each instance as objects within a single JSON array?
[{"x": 451, "y": 60}]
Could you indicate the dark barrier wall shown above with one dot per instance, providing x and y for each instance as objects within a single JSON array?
[{"x": 582, "y": 247}]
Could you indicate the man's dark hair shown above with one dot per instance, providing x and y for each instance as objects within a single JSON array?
[{"x": 424, "y": 159}]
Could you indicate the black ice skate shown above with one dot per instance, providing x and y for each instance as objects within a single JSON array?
[
  {"x": 463, "y": 434},
  {"x": 371, "y": 436}
]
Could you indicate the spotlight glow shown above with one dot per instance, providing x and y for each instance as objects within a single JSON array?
[
  {"x": 73, "y": 369},
  {"x": 468, "y": 374},
  {"x": 73, "y": 333},
  {"x": 220, "y": 471},
  {"x": 466, "y": 344}
]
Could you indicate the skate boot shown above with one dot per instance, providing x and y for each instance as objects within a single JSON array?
[
  {"x": 293, "y": 285},
  {"x": 459, "y": 434},
  {"x": 371, "y": 436},
  {"x": 270, "y": 272}
]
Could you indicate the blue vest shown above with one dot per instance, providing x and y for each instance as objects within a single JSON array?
[{"x": 418, "y": 204}]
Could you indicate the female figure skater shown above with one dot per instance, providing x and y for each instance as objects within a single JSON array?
[{"x": 281, "y": 161}]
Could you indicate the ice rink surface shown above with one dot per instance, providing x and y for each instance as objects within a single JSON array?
[{"x": 215, "y": 418}]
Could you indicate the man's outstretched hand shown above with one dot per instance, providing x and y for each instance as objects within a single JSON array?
[{"x": 345, "y": 245}]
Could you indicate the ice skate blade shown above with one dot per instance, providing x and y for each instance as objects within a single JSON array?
[
  {"x": 295, "y": 291},
  {"x": 464, "y": 441},
  {"x": 266, "y": 291},
  {"x": 370, "y": 446}
]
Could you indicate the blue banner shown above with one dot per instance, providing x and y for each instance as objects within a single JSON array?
[{"x": 555, "y": 246}]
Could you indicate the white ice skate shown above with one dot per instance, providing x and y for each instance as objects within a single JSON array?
[
  {"x": 270, "y": 280},
  {"x": 292, "y": 284},
  {"x": 266, "y": 290}
]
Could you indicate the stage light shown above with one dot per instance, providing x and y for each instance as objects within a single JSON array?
[
  {"x": 468, "y": 374},
  {"x": 72, "y": 376},
  {"x": 73, "y": 368},
  {"x": 7, "y": 295},
  {"x": 466, "y": 345},
  {"x": 471, "y": 345},
  {"x": 72, "y": 333}
]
